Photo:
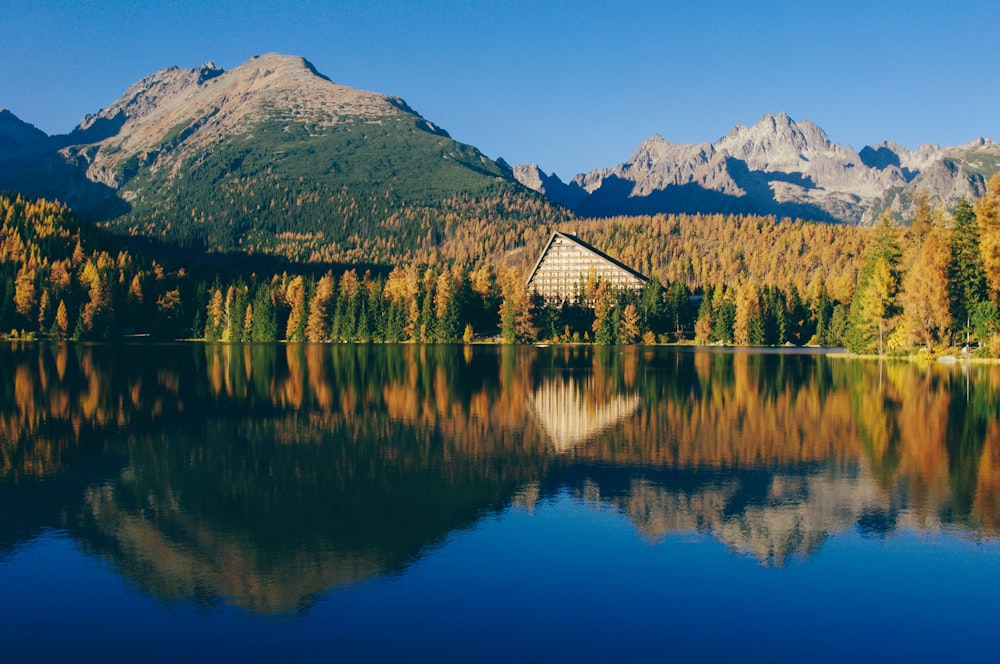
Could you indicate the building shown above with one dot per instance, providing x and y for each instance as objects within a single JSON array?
[{"x": 567, "y": 263}]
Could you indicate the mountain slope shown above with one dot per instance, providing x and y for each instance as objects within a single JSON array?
[
  {"x": 274, "y": 157},
  {"x": 778, "y": 166}
]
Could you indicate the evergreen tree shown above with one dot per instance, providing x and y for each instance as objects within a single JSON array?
[
  {"x": 652, "y": 308},
  {"x": 966, "y": 277},
  {"x": 264, "y": 326},
  {"x": 679, "y": 311}
]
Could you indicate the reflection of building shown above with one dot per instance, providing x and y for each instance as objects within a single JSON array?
[
  {"x": 570, "y": 413},
  {"x": 566, "y": 264}
]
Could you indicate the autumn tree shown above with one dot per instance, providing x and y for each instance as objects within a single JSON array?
[
  {"x": 628, "y": 328},
  {"x": 924, "y": 293},
  {"x": 515, "y": 309},
  {"x": 988, "y": 217},
  {"x": 747, "y": 327},
  {"x": 60, "y": 326},
  {"x": 169, "y": 310},
  {"x": 874, "y": 302},
  {"x": 295, "y": 328},
  {"x": 25, "y": 293},
  {"x": 318, "y": 322}
]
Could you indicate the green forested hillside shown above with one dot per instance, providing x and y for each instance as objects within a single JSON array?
[{"x": 357, "y": 191}]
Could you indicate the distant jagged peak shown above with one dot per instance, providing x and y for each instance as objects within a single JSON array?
[
  {"x": 657, "y": 150},
  {"x": 531, "y": 176},
  {"x": 534, "y": 178},
  {"x": 779, "y": 130},
  {"x": 776, "y": 142},
  {"x": 979, "y": 142}
]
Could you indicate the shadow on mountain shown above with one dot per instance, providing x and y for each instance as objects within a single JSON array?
[
  {"x": 194, "y": 256},
  {"x": 882, "y": 158},
  {"x": 99, "y": 130},
  {"x": 614, "y": 197},
  {"x": 47, "y": 174}
]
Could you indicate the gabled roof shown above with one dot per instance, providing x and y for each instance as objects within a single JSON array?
[{"x": 577, "y": 241}]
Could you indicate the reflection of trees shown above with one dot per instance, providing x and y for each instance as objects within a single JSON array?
[
  {"x": 926, "y": 431},
  {"x": 264, "y": 475},
  {"x": 278, "y": 511}
]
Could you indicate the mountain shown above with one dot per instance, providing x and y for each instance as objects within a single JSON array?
[
  {"x": 778, "y": 166},
  {"x": 31, "y": 164},
  {"x": 270, "y": 156}
]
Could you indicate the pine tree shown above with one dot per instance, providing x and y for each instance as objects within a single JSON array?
[
  {"x": 264, "y": 327},
  {"x": 966, "y": 277}
]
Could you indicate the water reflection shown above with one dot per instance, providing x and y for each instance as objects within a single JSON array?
[
  {"x": 571, "y": 411},
  {"x": 263, "y": 476}
]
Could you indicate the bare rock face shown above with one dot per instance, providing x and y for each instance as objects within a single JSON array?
[
  {"x": 532, "y": 177},
  {"x": 782, "y": 167}
]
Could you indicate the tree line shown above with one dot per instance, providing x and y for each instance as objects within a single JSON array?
[{"x": 931, "y": 284}]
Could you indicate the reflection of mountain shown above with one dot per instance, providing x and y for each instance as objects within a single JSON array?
[
  {"x": 264, "y": 476},
  {"x": 266, "y": 522},
  {"x": 770, "y": 517},
  {"x": 571, "y": 413}
]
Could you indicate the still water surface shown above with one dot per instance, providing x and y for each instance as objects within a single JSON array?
[{"x": 373, "y": 503}]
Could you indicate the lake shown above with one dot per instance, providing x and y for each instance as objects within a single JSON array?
[{"x": 372, "y": 503}]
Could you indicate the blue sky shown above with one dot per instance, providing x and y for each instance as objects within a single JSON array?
[{"x": 571, "y": 85}]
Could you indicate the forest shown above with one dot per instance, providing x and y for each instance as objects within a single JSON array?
[{"x": 929, "y": 284}]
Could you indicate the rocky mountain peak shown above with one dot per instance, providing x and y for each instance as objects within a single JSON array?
[
  {"x": 778, "y": 166},
  {"x": 187, "y": 110},
  {"x": 775, "y": 142},
  {"x": 208, "y": 71}
]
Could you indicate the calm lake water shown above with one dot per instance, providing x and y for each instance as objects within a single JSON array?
[{"x": 375, "y": 503}]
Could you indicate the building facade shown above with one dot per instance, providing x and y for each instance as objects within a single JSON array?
[{"x": 567, "y": 263}]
